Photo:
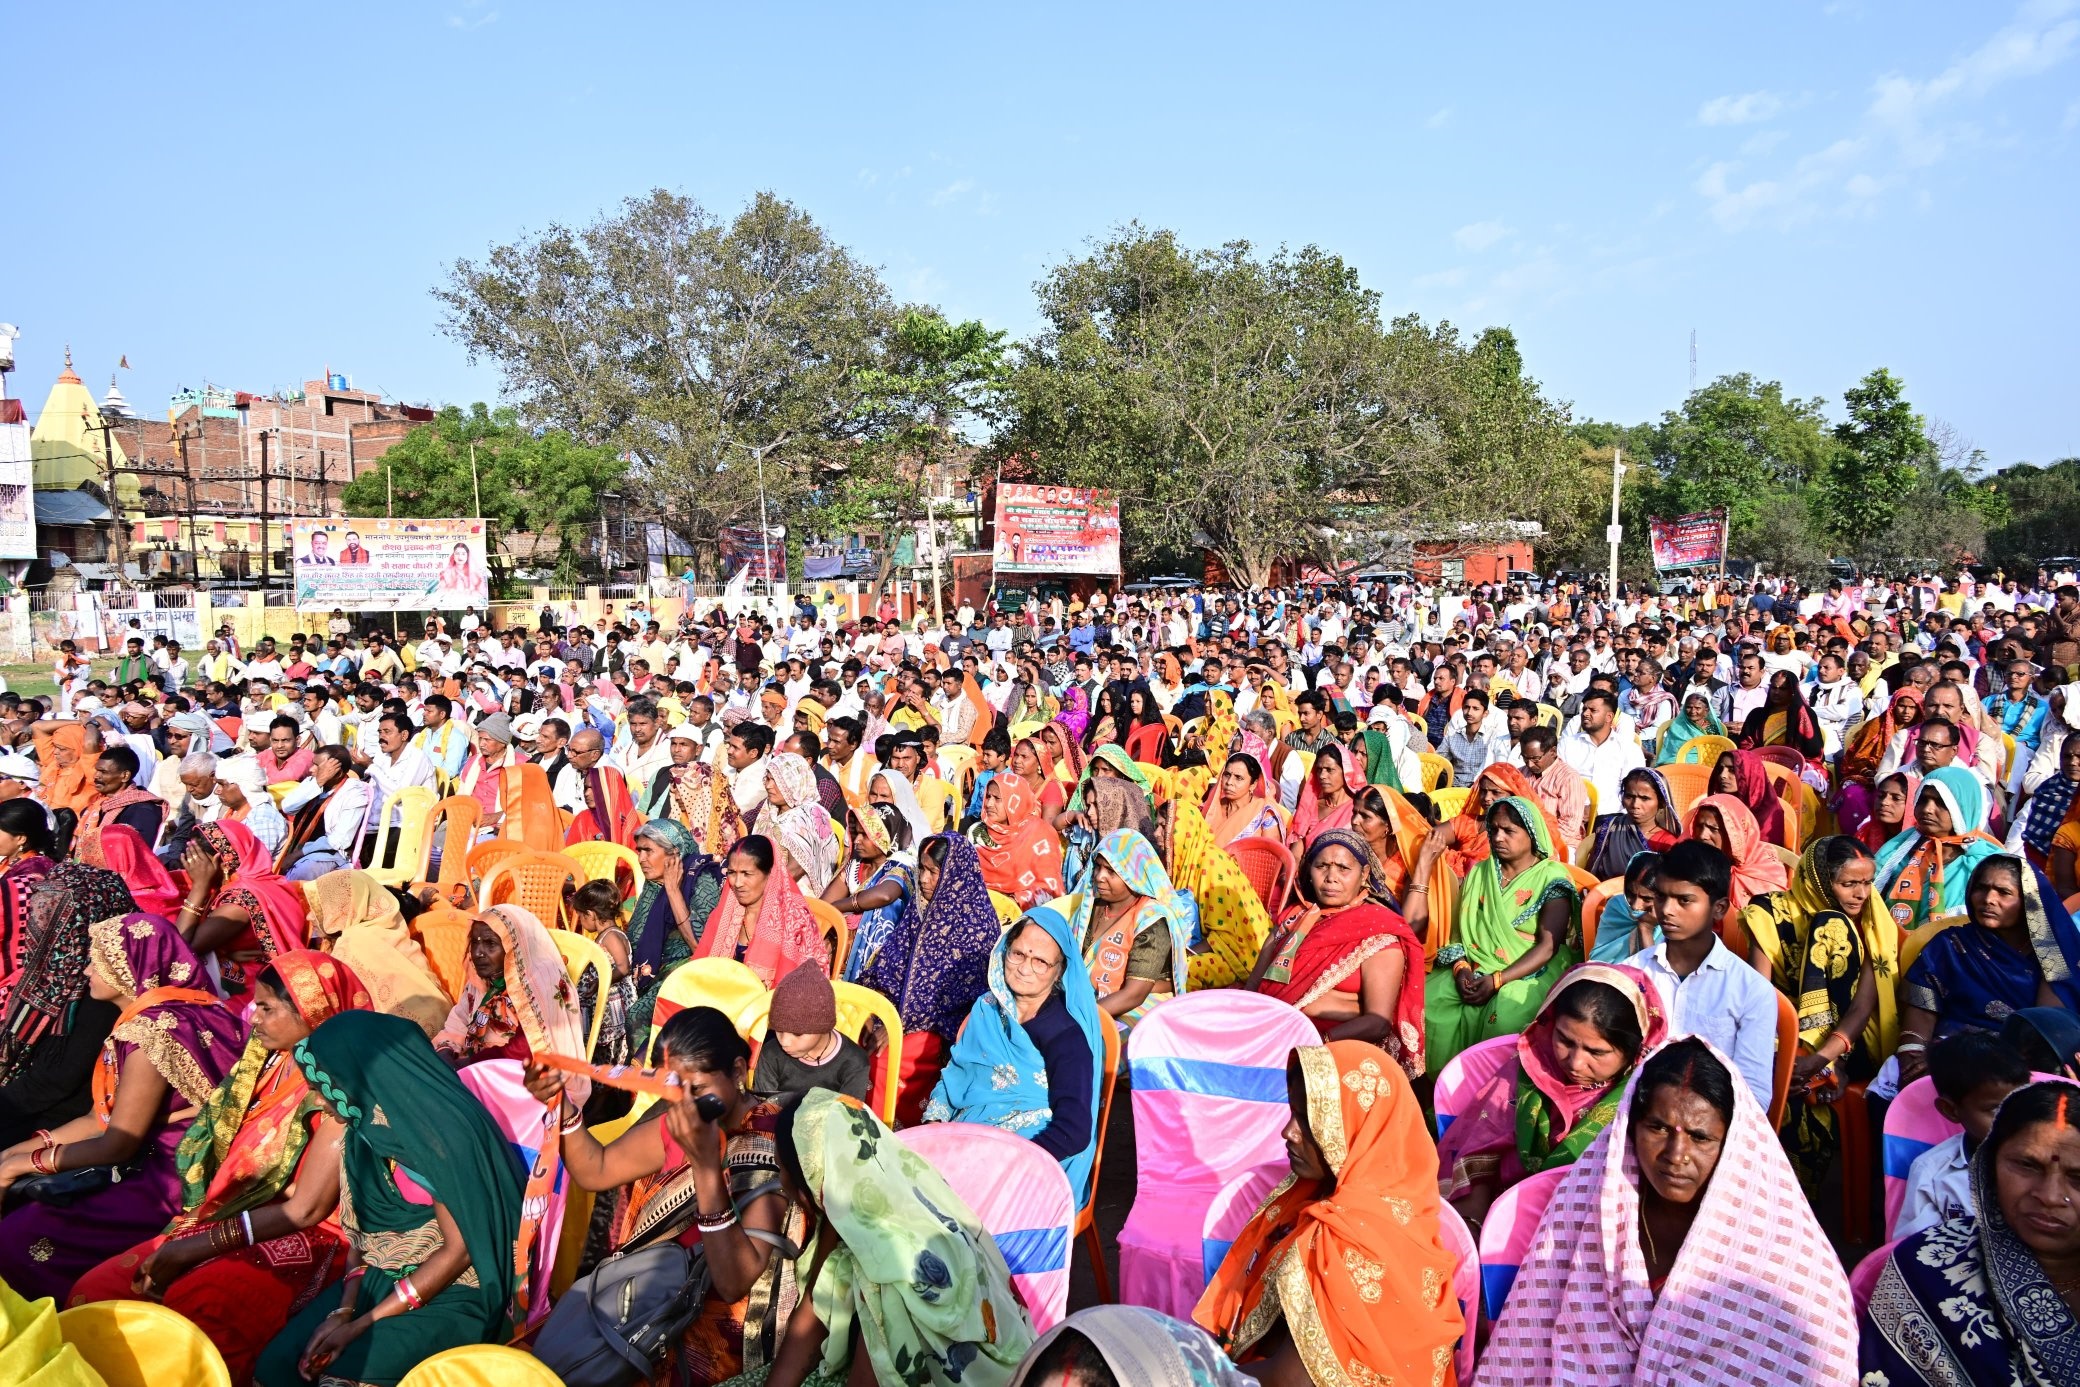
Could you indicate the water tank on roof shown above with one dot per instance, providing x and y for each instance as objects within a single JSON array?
[{"x": 335, "y": 381}]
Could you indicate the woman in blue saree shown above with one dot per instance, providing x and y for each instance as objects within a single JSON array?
[{"x": 1922, "y": 871}]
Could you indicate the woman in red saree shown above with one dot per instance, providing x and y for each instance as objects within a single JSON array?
[
  {"x": 1344, "y": 957},
  {"x": 238, "y": 908},
  {"x": 151, "y": 885},
  {"x": 256, "y": 1238},
  {"x": 1741, "y": 775},
  {"x": 1022, "y": 858}
]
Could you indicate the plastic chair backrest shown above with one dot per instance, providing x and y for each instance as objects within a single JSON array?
[
  {"x": 500, "y": 1087},
  {"x": 532, "y": 880},
  {"x": 1107, "y": 1081},
  {"x": 1506, "y": 1236},
  {"x": 1145, "y": 743},
  {"x": 1787, "y": 857},
  {"x": 140, "y": 1343},
  {"x": 1019, "y": 1194},
  {"x": 1912, "y": 1125},
  {"x": 1704, "y": 751},
  {"x": 607, "y": 862},
  {"x": 1583, "y": 877},
  {"x": 1464, "y": 1074},
  {"x": 1688, "y": 783},
  {"x": 444, "y": 935},
  {"x": 1466, "y": 1280},
  {"x": 1208, "y": 1086},
  {"x": 1864, "y": 1279},
  {"x": 1449, "y": 801},
  {"x": 1437, "y": 771},
  {"x": 481, "y": 1365},
  {"x": 1787, "y": 1056},
  {"x": 489, "y": 854},
  {"x": 1788, "y": 787},
  {"x": 1786, "y": 756},
  {"x": 1592, "y": 910},
  {"x": 837, "y": 935},
  {"x": 1008, "y": 910},
  {"x": 856, "y": 1006},
  {"x": 1914, "y": 941},
  {"x": 1269, "y": 867},
  {"x": 454, "y": 828},
  {"x": 580, "y": 954},
  {"x": 413, "y": 810},
  {"x": 531, "y": 816},
  {"x": 721, "y": 983}
]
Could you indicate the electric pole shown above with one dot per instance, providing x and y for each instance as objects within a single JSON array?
[{"x": 265, "y": 547}]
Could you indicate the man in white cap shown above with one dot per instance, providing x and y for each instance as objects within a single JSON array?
[
  {"x": 242, "y": 791},
  {"x": 18, "y": 776}
]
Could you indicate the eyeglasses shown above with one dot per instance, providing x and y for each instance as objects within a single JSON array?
[{"x": 1030, "y": 961}]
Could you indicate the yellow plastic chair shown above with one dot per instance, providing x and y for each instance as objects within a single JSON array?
[
  {"x": 413, "y": 806},
  {"x": 837, "y": 935},
  {"x": 721, "y": 983},
  {"x": 444, "y": 934},
  {"x": 577, "y": 1213},
  {"x": 140, "y": 1343},
  {"x": 1586, "y": 848},
  {"x": 534, "y": 881},
  {"x": 606, "y": 862},
  {"x": 1449, "y": 801},
  {"x": 856, "y": 1006},
  {"x": 1008, "y": 910},
  {"x": 281, "y": 791},
  {"x": 1703, "y": 751},
  {"x": 481, "y": 1365},
  {"x": 580, "y": 954},
  {"x": 1437, "y": 771}
]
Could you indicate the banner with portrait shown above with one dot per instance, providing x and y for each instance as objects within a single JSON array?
[
  {"x": 1688, "y": 541},
  {"x": 1056, "y": 529},
  {"x": 387, "y": 565}
]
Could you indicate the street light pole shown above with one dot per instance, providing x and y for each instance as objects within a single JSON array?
[
  {"x": 1616, "y": 531},
  {"x": 121, "y": 532}
]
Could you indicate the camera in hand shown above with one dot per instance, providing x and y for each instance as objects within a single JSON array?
[{"x": 710, "y": 1107}]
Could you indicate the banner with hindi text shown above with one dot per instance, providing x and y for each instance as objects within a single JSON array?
[
  {"x": 387, "y": 565},
  {"x": 1688, "y": 541},
  {"x": 1057, "y": 529}
]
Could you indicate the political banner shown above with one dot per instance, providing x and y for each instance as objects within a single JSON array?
[
  {"x": 1689, "y": 541},
  {"x": 742, "y": 552},
  {"x": 384, "y": 565},
  {"x": 1056, "y": 529}
]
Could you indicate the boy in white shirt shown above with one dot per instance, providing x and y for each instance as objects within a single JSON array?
[{"x": 1973, "y": 1073}]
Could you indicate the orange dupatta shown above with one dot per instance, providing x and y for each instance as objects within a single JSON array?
[
  {"x": 106, "y": 1073},
  {"x": 1354, "y": 1265},
  {"x": 1029, "y": 859},
  {"x": 66, "y": 787}
]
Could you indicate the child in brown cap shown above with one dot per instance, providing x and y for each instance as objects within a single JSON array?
[{"x": 804, "y": 1048}]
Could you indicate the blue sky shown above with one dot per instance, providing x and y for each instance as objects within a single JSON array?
[{"x": 249, "y": 194}]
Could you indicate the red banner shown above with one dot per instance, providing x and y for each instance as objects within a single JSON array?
[
  {"x": 740, "y": 549},
  {"x": 1689, "y": 541},
  {"x": 1056, "y": 529}
]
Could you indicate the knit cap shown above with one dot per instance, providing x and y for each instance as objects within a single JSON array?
[{"x": 804, "y": 1003}]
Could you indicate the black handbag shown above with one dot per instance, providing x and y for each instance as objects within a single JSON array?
[{"x": 67, "y": 1187}]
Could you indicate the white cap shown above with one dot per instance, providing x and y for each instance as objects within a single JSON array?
[{"x": 15, "y": 766}]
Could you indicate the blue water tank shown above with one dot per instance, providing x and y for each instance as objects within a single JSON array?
[{"x": 335, "y": 381}]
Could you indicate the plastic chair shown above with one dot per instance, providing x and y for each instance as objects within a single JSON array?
[
  {"x": 856, "y": 1006},
  {"x": 530, "y": 1128},
  {"x": 1437, "y": 771},
  {"x": 1687, "y": 784},
  {"x": 1787, "y": 1055},
  {"x": 487, "y": 855},
  {"x": 607, "y": 862},
  {"x": 1449, "y": 801},
  {"x": 1208, "y": 1073},
  {"x": 481, "y": 1365},
  {"x": 444, "y": 934},
  {"x": 577, "y": 1213},
  {"x": 1912, "y": 1125},
  {"x": 454, "y": 829},
  {"x": 1466, "y": 1280},
  {"x": 721, "y": 983},
  {"x": 1512, "y": 1222},
  {"x": 1592, "y": 910},
  {"x": 579, "y": 955},
  {"x": 1864, "y": 1279},
  {"x": 141, "y": 1343},
  {"x": 837, "y": 935},
  {"x": 1584, "y": 879},
  {"x": 1145, "y": 743},
  {"x": 1464, "y": 1075},
  {"x": 1787, "y": 857},
  {"x": 1914, "y": 941},
  {"x": 1787, "y": 785},
  {"x": 1019, "y": 1194},
  {"x": 1270, "y": 869},
  {"x": 534, "y": 881},
  {"x": 1086, "y": 1217},
  {"x": 413, "y": 810},
  {"x": 1008, "y": 910},
  {"x": 1704, "y": 751}
]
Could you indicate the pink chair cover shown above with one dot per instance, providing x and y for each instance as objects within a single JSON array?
[
  {"x": 1209, "y": 1083},
  {"x": 1912, "y": 1125},
  {"x": 1021, "y": 1196},
  {"x": 1506, "y": 1236},
  {"x": 1465, "y": 1073},
  {"x": 1466, "y": 1281},
  {"x": 1864, "y": 1279},
  {"x": 497, "y": 1085}
]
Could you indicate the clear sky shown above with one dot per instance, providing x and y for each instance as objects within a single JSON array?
[{"x": 247, "y": 194}]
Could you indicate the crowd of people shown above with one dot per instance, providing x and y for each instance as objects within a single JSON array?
[{"x": 1611, "y": 847}]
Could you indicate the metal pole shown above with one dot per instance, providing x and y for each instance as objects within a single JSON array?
[
  {"x": 1616, "y": 531},
  {"x": 765, "y": 536},
  {"x": 115, "y": 506},
  {"x": 931, "y": 522},
  {"x": 475, "y": 493},
  {"x": 265, "y": 549},
  {"x": 188, "y": 476}
]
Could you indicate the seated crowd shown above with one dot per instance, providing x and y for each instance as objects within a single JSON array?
[{"x": 360, "y": 1001}]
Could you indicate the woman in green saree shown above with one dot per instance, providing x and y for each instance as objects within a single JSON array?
[
  {"x": 422, "y": 1276},
  {"x": 1517, "y": 928},
  {"x": 900, "y": 1284}
]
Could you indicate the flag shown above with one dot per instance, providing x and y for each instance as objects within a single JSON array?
[{"x": 124, "y": 364}]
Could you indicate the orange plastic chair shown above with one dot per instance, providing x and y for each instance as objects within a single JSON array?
[
  {"x": 1688, "y": 783},
  {"x": 1584, "y": 878},
  {"x": 1787, "y": 1055},
  {"x": 1086, "y": 1217},
  {"x": 1786, "y": 783},
  {"x": 454, "y": 831},
  {"x": 1270, "y": 868},
  {"x": 1592, "y": 909},
  {"x": 534, "y": 881},
  {"x": 837, "y": 935},
  {"x": 487, "y": 855},
  {"x": 444, "y": 934},
  {"x": 531, "y": 816}
]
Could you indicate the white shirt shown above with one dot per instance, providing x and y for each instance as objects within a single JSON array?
[
  {"x": 345, "y": 812},
  {"x": 640, "y": 767},
  {"x": 1938, "y": 1189},
  {"x": 1726, "y": 1002},
  {"x": 1603, "y": 766},
  {"x": 387, "y": 775}
]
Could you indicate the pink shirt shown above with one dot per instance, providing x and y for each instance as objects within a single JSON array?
[{"x": 295, "y": 768}]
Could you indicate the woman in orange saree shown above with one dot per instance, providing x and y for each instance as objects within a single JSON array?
[
  {"x": 1018, "y": 849},
  {"x": 256, "y": 1239},
  {"x": 1341, "y": 1274}
]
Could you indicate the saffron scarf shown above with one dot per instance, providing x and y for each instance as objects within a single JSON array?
[
  {"x": 65, "y": 787},
  {"x": 1353, "y": 1266},
  {"x": 1756, "y": 870},
  {"x": 1024, "y": 860}
]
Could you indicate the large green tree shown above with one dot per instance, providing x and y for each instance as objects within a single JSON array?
[
  {"x": 1883, "y": 454},
  {"x": 730, "y": 358},
  {"x": 2042, "y": 513},
  {"x": 1737, "y": 443},
  {"x": 544, "y": 483}
]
